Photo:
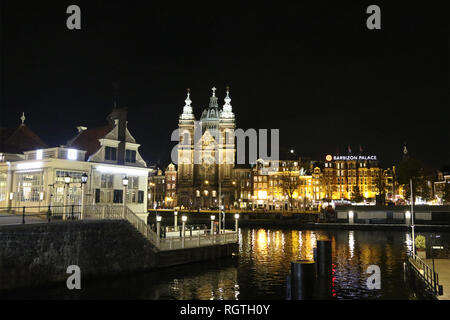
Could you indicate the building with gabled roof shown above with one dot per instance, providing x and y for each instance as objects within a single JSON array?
[
  {"x": 14, "y": 142},
  {"x": 104, "y": 156}
]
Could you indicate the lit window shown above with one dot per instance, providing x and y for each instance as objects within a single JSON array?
[
  {"x": 72, "y": 154},
  {"x": 39, "y": 155}
]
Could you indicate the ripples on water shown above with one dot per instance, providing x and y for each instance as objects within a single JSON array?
[{"x": 261, "y": 268}]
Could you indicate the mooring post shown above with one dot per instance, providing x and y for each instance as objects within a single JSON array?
[
  {"x": 23, "y": 216},
  {"x": 288, "y": 288},
  {"x": 324, "y": 258},
  {"x": 302, "y": 279}
]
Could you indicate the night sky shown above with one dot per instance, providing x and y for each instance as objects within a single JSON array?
[{"x": 310, "y": 68}]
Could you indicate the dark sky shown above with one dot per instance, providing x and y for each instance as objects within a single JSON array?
[{"x": 310, "y": 68}]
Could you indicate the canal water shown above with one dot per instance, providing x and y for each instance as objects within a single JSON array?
[{"x": 260, "y": 270}]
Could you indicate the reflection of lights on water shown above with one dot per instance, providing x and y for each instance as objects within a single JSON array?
[
  {"x": 253, "y": 238},
  {"x": 408, "y": 242},
  {"x": 300, "y": 240},
  {"x": 351, "y": 243},
  {"x": 282, "y": 241},
  {"x": 262, "y": 239},
  {"x": 313, "y": 239},
  {"x": 268, "y": 237},
  {"x": 240, "y": 239}
]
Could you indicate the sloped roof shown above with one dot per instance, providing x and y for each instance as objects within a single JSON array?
[
  {"x": 87, "y": 140},
  {"x": 20, "y": 140}
]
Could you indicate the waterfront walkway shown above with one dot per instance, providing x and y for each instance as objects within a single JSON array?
[
  {"x": 12, "y": 219},
  {"x": 442, "y": 267}
]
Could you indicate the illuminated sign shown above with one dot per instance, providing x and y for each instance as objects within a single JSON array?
[{"x": 351, "y": 158}]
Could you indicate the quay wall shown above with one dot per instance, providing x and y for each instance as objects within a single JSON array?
[{"x": 39, "y": 254}]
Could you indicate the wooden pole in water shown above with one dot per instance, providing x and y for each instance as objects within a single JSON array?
[
  {"x": 302, "y": 279},
  {"x": 324, "y": 259}
]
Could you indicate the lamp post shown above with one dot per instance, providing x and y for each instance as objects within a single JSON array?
[
  {"x": 125, "y": 186},
  {"x": 236, "y": 218},
  {"x": 67, "y": 180},
  {"x": 183, "y": 219},
  {"x": 84, "y": 179},
  {"x": 158, "y": 228},
  {"x": 11, "y": 198},
  {"x": 175, "y": 221},
  {"x": 412, "y": 217},
  {"x": 213, "y": 217}
]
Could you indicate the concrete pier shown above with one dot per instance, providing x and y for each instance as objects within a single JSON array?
[
  {"x": 39, "y": 254},
  {"x": 442, "y": 267}
]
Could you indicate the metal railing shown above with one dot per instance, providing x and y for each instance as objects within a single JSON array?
[
  {"x": 38, "y": 214},
  {"x": 32, "y": 214},
  {"x": 199, "y": 240},
  {"x": 110, "y": 212},
  {"x": 426, "y": 273}
]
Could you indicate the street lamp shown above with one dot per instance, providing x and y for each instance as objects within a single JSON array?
[
  {"x": 84, "y": 179},
  {"x": 213, "y": 217},
  {"x": 175, "y": 222},
  {"x": 67, "y": 180},
  {"x": 183, "y": 219},
  {"x": 158, "y": 227},
  {"x": 125, "y": 186},
  {"x": 236, "y": 218}
]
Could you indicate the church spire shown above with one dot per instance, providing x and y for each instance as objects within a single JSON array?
[
  {"x": 22, "y": 118},
  {"x": 213, "y": 99},
  {"x": 187, "y": 109},
  {"x": 227, "y": 111}
]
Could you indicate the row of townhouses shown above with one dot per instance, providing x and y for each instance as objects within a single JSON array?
[{"x": 264, "y": 184}]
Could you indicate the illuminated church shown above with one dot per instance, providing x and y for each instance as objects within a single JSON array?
[{"x": 206, "y": 155}]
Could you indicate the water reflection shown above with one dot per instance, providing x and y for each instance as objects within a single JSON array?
[{"x": 261, "y": 268}]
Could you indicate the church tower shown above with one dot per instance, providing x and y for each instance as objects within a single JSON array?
[
  {"x": 227, "y": 150},
  {"x": 206, "y": 162},
  {"x": 186, "y": 125}
]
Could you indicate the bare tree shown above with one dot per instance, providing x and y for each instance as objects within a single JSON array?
[{"x": 290, "y": 182}]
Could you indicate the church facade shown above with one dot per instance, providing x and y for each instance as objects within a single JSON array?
[{"x": 206, "y": 155}]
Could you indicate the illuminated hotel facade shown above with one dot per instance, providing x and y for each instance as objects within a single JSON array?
[
  {"x": 279, "y": 185},
  {"x": 346, "y": 176}
]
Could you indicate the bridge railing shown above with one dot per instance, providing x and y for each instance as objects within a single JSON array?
[
  {"x": 199, "y": 240},
  {"x": 110, "y": 212},
  {"x": 23, "y": 215},
  {"x": 426, "y": 273}
]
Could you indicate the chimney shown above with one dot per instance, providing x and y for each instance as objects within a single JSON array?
[{"x": 118, "y": 117}]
